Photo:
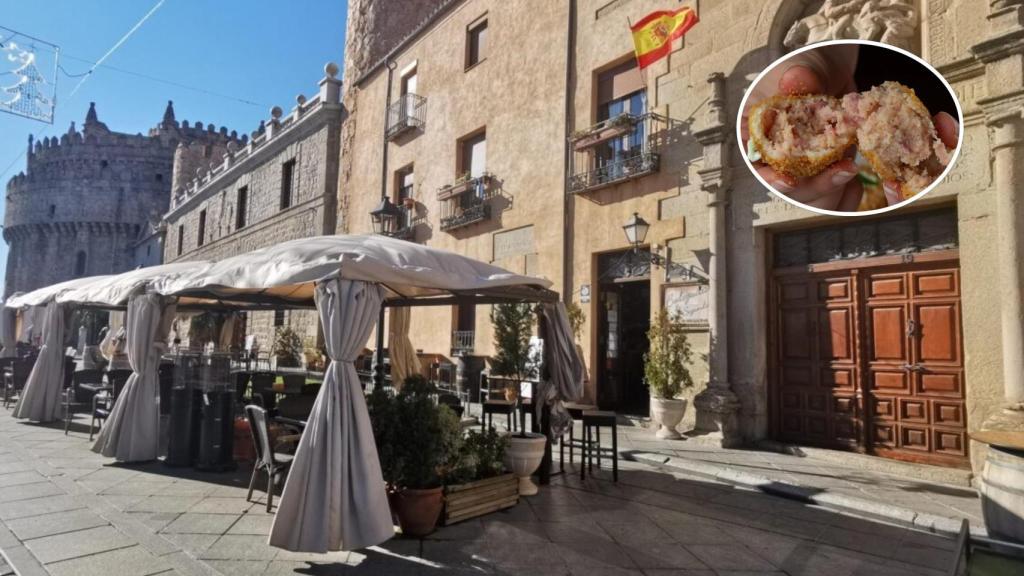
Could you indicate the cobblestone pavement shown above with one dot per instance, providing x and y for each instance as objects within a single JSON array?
[{"x": 67, "y": 511}]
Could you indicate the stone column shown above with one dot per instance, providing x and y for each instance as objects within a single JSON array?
[
  {"x": 1003, "y": 55},
  {"x": 717, "y": 405}
]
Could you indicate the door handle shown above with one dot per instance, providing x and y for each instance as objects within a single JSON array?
[
  {"x": 916, "y": 367},
  {"x": 911, "y": 328}
]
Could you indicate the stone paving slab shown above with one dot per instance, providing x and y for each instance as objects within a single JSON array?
[{"x": 144, "y": 519}]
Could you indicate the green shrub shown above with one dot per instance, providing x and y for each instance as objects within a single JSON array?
[
  {"x": 666, "y": 362},
  {"x": 287, "y": 348}
]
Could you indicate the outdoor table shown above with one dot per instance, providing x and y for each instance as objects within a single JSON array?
[{"x": 291, "y": 421}]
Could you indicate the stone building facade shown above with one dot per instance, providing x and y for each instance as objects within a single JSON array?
[
  {"x": 87, "y": 196},
  {"x": 280, "y": 185},
  {"x": 782, "y": 302}
]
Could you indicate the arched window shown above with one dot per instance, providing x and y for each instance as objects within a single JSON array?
[
  {"x": 53, "y": 210},
  {"x": 80, "y": 263}
]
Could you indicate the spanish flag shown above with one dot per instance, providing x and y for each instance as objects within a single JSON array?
[{"x": 653, "y": 35}]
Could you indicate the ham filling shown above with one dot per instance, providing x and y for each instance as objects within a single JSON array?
[
  {"x": 901, "y": 137},
  {"x": 805, "y": 127}
]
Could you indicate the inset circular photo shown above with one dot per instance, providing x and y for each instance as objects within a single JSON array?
[{"x": 850, "y": 127}]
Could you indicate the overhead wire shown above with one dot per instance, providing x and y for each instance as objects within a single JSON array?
[{"x": 87, "y": 75}]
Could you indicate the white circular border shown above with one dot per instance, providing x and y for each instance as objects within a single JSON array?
[{"x": 854, "y": 213}]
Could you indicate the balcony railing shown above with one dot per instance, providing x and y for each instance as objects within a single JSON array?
[
  {"x": 406, "y": 223},
  {"x": 616, "y": 150},
  {"x": 462, "y": 342},
  {"x": 406, "y": 113},
  {"x": 466, "y": 202},
  {"x": 615, "y": 171}
]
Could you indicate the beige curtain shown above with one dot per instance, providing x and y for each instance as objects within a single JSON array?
[
  {"x": 40, "y": 400},
  {"x": 402, "y": 355},
  {"x": 227, "y": 333},
  {"x": 334, "y": 497},
  {"x": 132, "y": 432}
]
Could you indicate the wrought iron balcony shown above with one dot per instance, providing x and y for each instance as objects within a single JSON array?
[
  {"x": 463, "y": 342},
  {"x": 615, "y": 171},
  {"x": 406, "y": 113},
  {"x": 406, "y": 223},
  {"x": 466, "y": 202},
  {"x": 616, "y": 150}
]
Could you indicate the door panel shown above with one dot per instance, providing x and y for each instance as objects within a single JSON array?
[{"x": 872, "y": 359}]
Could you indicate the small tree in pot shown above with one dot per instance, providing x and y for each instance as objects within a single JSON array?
[
  {"x": 513, "y": 326},
  {"x": 666, "y": 372},
  {"x": 417, "y": 450}
]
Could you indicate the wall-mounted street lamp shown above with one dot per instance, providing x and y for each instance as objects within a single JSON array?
[
  {"x": 386, "y": 218},
  {"x": 636, "y": 231},
  {"x": 638, "y": 262}
]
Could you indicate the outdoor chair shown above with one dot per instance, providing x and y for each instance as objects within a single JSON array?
[
  {"x": 593, "y": 421},
  {"x": 69, "y": 370},
  {"x": 103, "y": 402},
  {"x": 241, "y": 386},
  {"x": 274, "y": 464},
  {"x": 452, "y": 401},
  {"x": 293, "y": 383},
  {"x": 14, "y": 380},
  {"x": 576, "y": 413},
  {"x": 263, "y": 388},
  {"x": 166, "y": 375},
  {"x": 85, "y": 384}
]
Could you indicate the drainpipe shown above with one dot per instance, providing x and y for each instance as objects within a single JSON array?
[
  {"x": 378, "y": 355},
  {"x": 568, "y": 214}
]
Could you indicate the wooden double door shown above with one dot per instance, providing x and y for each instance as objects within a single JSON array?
[{"x": 868, "y": 356}]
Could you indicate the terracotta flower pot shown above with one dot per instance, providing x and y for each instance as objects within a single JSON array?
[
  {"x": 667, "y": 412},
  {"x": 523, "y": 457},
  {"x": 418, "y": 510}
]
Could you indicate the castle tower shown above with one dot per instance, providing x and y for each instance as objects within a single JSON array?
[{"x": 84, "y": 198}]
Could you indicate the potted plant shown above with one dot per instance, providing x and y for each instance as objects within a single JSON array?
[
  {"x": 287, "y": 348},
  {"x": 513, "y": 326},
  {"x": 423, "y": 439},
  {"x": 666, "y": 372},
  {"x": 478, "y": 484},
  {"x": 604, "y": 131}
]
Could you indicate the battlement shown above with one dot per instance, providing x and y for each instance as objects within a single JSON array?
[{"x": 197, "y": 165}]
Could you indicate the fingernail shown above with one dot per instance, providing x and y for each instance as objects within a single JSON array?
[{"x": 842, "y": 177}]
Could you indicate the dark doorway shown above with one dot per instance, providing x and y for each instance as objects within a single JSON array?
[{"x": 624, "y": 316}]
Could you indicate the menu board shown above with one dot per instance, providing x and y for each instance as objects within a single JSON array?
[{"x": 689, "y": 301}]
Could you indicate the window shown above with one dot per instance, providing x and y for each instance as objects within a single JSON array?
[
  {"x": 53, "y": 210},
  {"x": 159, "y": 177},
  {"x": 620, "y": 90},
  {"x": 473, "y": 155},
  {"x": 80, "y": 263},
  {"x": 241, "y": 207},
  {"x": 104, "y": 163},
  {"x": 149, "y": 250},
  {"x": 403, "y": 184},
  {"x": 181, "y": 239},
  {"x": 409, "y": 82},
  {"x": 202, "y": 228},
  {"x": 476, "y": 43},
  {"x": 278, "y": 317},
  {"x": 287, "y": 182}
]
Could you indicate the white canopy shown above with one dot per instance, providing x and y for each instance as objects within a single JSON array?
[
  {"x": 285, "y": 273},
  {"x": 334, "y": 497},
  {"x": 115, "y": 290},
  {"x": 46, "y": 294}
]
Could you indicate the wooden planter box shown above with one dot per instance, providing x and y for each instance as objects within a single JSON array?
[{"x": 465, "y": 501}]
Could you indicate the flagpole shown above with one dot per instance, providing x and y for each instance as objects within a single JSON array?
[{"x": 641, "y": 71}]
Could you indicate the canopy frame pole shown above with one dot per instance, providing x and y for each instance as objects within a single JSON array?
[
  {"x": 378, "y": 354},
  {"x": 545, "y": 414}
]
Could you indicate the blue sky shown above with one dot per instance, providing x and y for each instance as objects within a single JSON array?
[{"x": 261, "y": 51}]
